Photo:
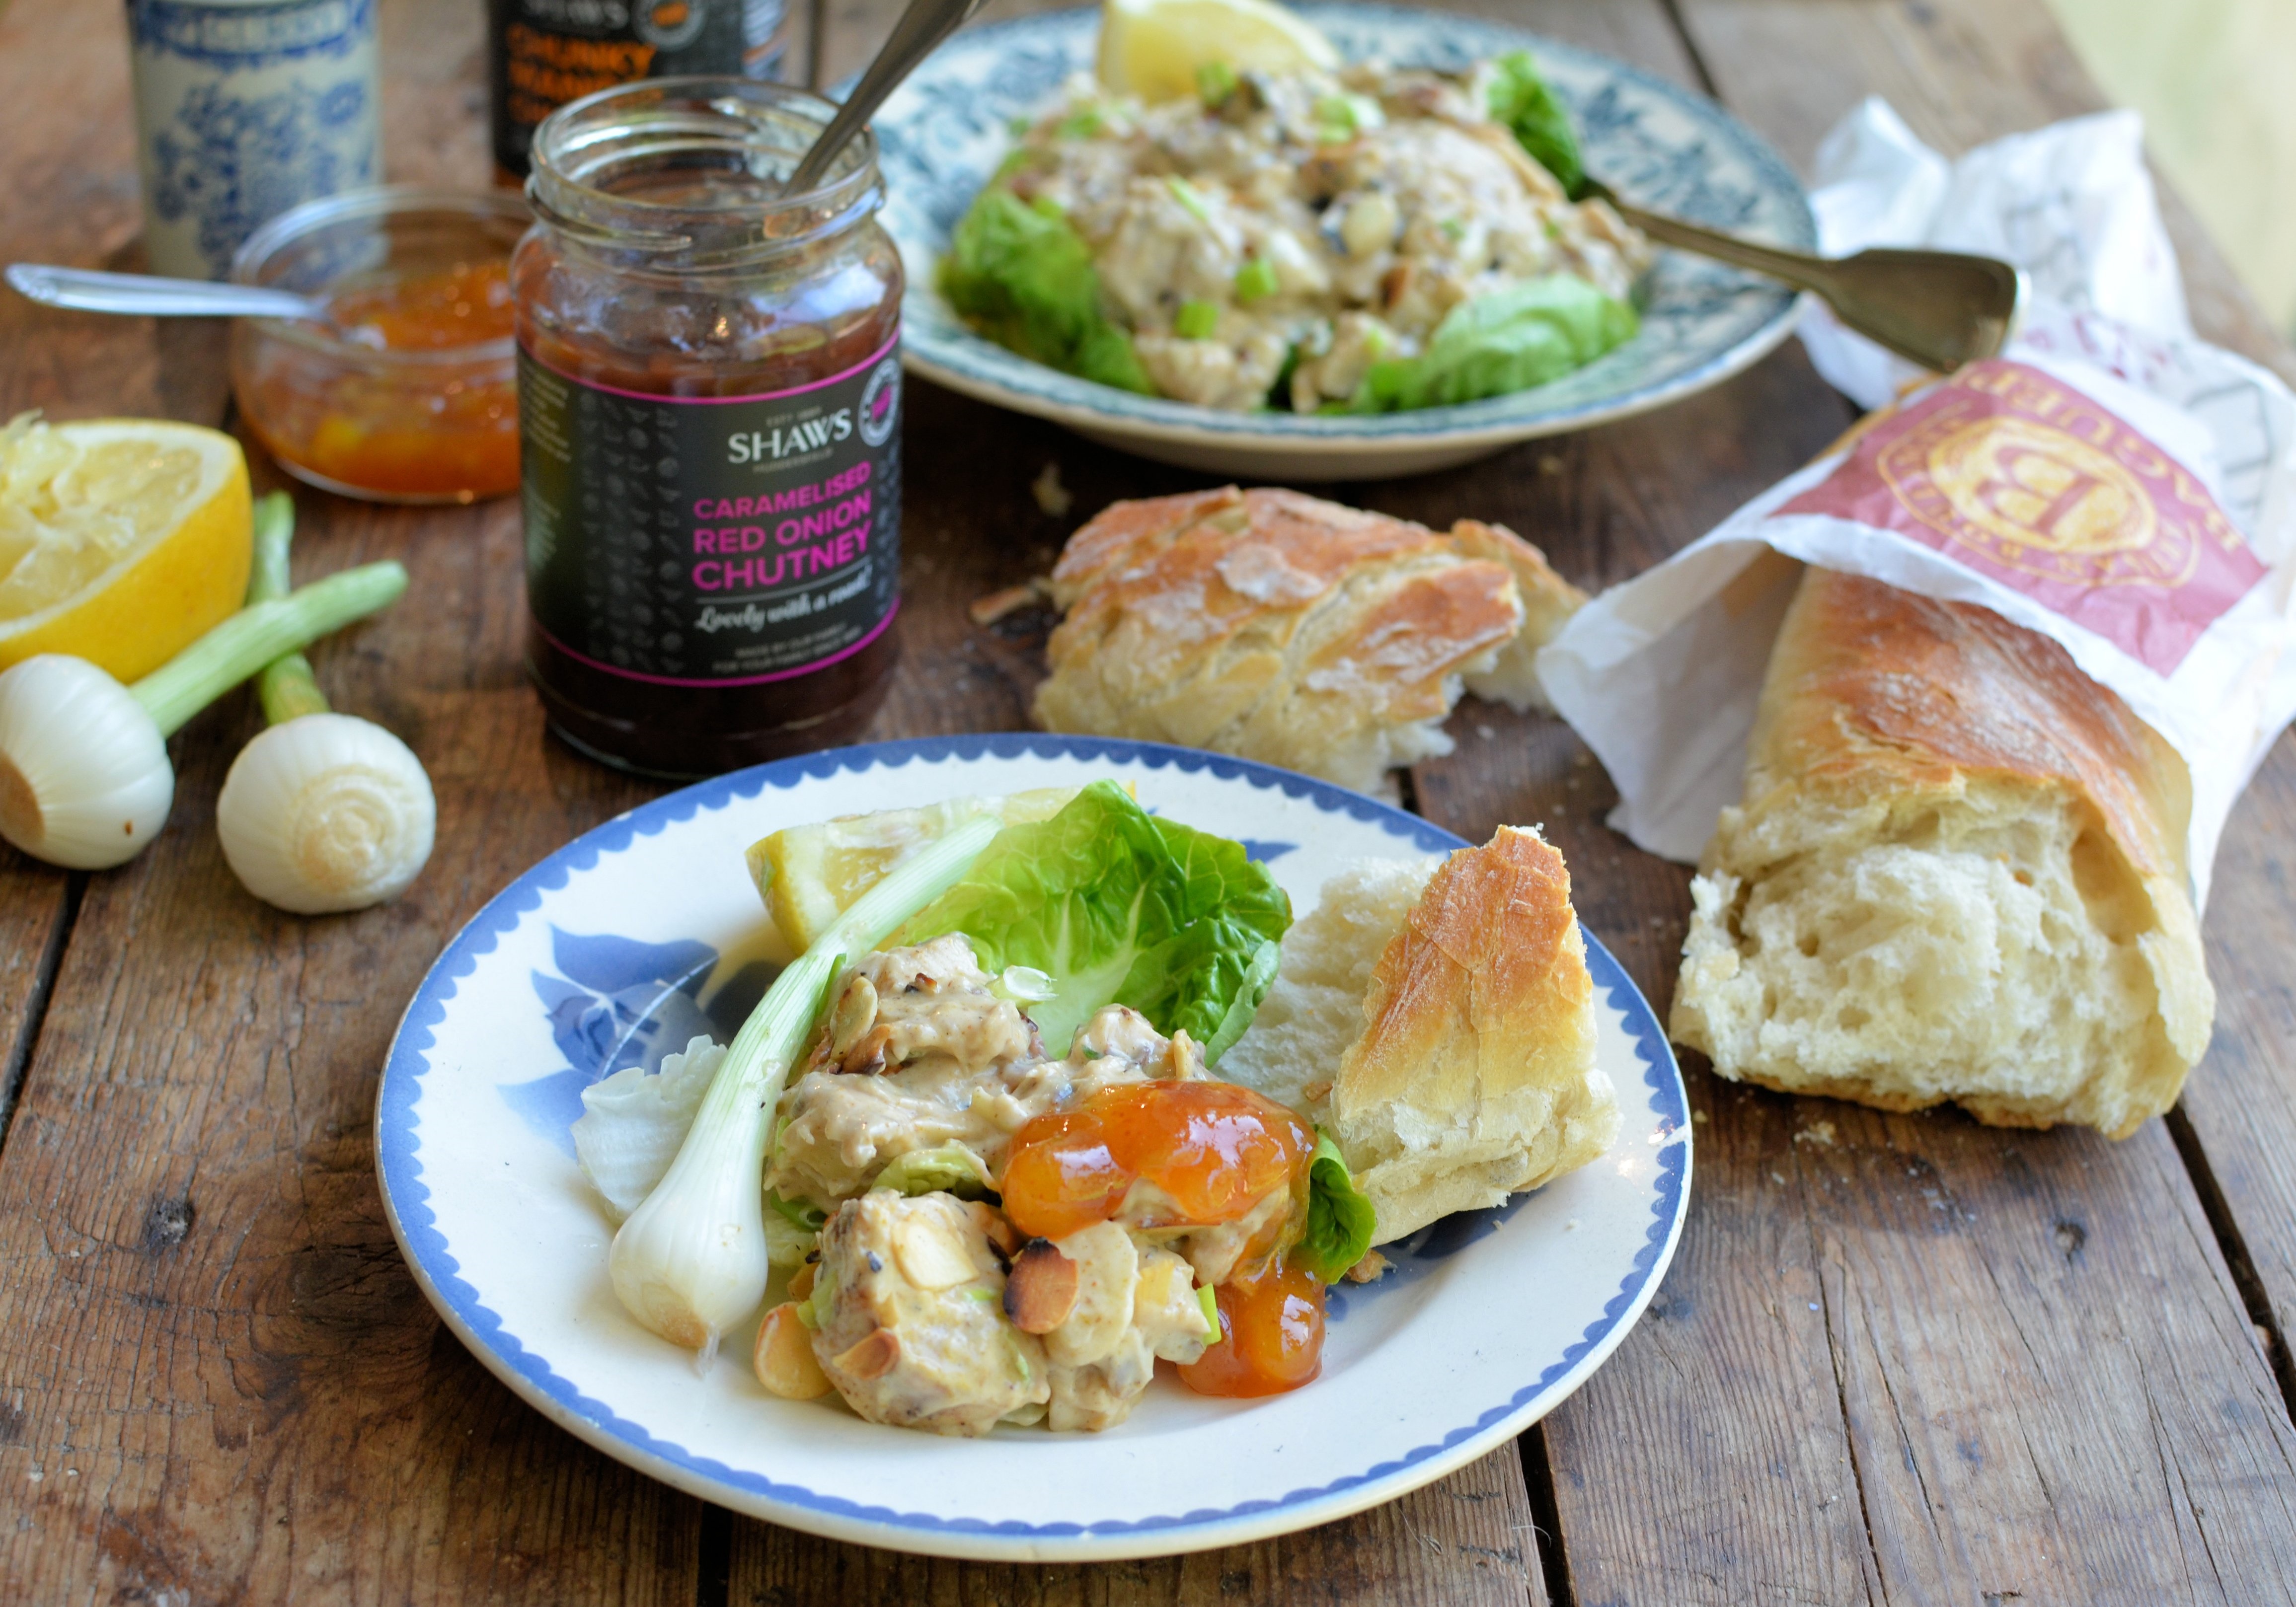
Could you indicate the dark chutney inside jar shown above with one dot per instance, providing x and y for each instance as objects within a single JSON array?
[{"x": 709, "y": 398}]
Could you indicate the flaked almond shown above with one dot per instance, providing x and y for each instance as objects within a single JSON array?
[
  {"x": 994, "y": 1228},
  {"x": 866, "y": 1056},
  {"x": 1042, "y": 1289},
  {"x": 785, "y": 1359},
  {"x": 855, "y": 1008},
  {"x": 930, "y": 1254},
  {"x": 873, "y": 1357},
  {"x": 800, "y": 1284}
]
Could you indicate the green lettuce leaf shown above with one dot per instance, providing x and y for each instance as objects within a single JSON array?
[
  {"x": 1509, "y": 340},
  {"x": 1518, "y": 97},
  {"x": 944, "y": 1169},
  {"x": 1119, "y": 906},
  {"x": 1023, "y": 276},
  {"x": 1339, "y": 1218}
]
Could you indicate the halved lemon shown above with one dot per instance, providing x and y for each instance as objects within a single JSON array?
[
  {"x": 810, "y": 875},
  {"x": 1155, "y": 48},
  {"x": 122, "y": 541}
]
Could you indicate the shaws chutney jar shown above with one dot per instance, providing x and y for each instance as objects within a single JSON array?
[{"x": 709, "y": 399}]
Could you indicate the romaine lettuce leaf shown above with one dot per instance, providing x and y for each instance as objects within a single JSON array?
[
  {"x": 1119, "y": 906},
  {"x": 1023, "y": 276},
  {"x": 1339, "y": 1218},
  {"x": 1496, "y": 345},
  {"x": 1517, "y": 96}
]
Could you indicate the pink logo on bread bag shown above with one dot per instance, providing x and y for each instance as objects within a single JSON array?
[{"x": 2017, "y": 476}]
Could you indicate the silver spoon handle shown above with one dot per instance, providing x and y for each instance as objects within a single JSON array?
[
  {"x": 89, "y": 291},
  {"x": 1799, "y": 269},
  {"x": 924, "y": 24},
  {"x": 1940, "y": 309}
]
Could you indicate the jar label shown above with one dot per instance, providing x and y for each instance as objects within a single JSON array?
[{"x": 712, "y": 541}]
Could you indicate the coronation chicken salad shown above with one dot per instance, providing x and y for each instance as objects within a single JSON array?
[
  {"x": 984, "y": 1231},
  {"x": 1363, "y": 240}
]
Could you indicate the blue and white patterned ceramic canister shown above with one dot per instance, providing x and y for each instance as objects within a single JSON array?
[{"x": 245, "y": 108}]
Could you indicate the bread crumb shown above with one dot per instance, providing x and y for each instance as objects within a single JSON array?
[
  {"x": 1054, "y": 498},
  {"x": 1820, "y": 1133},
  {"x": 987, "y": 610},
  {"x": 1700, "y": 1117},
  {"x": 1369, "y": 1269}
]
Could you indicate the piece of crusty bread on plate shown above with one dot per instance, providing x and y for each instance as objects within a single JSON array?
[
  {"x": 1435, "y": 1016},
  {"x": 1294, "y": 631},
  {"x": 1957, "y": 874}
]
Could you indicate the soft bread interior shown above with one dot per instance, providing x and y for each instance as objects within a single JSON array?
[
  {"x": 1314, "y": 1011},
  {"x": 1436, "y": 1017},
  {"x": 1994, "y": 948}
]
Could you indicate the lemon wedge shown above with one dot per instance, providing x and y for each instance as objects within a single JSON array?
[
  {"x": 810, "y": 875},
  {"x": 1154, "y": 48},
  {"x": 122, "y": 541}
]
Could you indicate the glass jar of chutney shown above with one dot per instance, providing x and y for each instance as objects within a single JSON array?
[{"x": 709, "y": 412}]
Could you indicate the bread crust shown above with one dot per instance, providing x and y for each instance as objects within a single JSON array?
[
  {"x": 1475, "y": 1076},
  {"x": 1289, "y": 628},
  {"x": 1882, "y": 709}
]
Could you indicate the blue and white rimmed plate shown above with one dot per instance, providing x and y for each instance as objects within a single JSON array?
[
  {"x": 1667, "y": 148},
  {"x": 623, "y": 943}
]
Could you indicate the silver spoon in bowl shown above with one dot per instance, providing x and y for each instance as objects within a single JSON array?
[
  {"x": 1940, "y": 309},
  {"x": 88, "y": 290}
]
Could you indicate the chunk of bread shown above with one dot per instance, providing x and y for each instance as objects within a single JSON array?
[
  {"x": 1436, "y": 1018},
  {"x": 1957, "y": 874},
  {"x": 1294, "y": 630}
]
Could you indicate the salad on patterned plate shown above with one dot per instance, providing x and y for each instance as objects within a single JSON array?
[
  {"x": 1228, "y": 217},
  {"x": 984, "y": 1230}
]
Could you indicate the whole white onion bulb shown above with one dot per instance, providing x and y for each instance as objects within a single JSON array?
[{"x": 327, "y": 813}]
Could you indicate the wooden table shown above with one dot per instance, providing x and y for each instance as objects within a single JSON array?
[{"x": 1899, "y": 1357}]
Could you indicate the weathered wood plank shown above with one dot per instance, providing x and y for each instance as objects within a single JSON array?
[
  {"x": 222, "y": 1382},
  {"x": 1463, "y": 1542},
  {"x": 2047, "y": 1378},
  {"x": 66, "y": 200}
]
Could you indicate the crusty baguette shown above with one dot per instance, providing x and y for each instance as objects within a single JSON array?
[
  {"x": 1452, "y": 996},
  {"x": 1957, "y": 874},
  {"x": 1290, "y": 629}
]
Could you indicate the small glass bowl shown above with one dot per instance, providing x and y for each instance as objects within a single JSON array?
[{"x": 389, "y": 424}]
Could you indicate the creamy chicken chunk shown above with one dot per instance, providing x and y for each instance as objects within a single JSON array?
[
  {"x": 936, "y": 1058},
  {"x": 913, "y": 1331},
  {"x": 1134, "y": 1304}
]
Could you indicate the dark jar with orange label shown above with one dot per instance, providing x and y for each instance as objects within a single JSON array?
[
  {"x": 542, "y": 53},
  {"x": 710, "y": 412}
]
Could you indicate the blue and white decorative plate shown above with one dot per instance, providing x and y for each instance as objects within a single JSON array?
[
  {"x": 1656, "y": 143},
  {"x": 617, "y": 947}
]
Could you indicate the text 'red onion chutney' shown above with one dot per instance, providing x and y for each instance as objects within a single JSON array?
[
  {"x": 709, "y": 413},
  {"x": 1212, "y": 1151}
]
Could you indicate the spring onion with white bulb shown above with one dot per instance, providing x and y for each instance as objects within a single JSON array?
[
  {"x": 84, "y": 780},
  {"x": 692, "y": 1263},
  {"x": 322, "y": 811}
]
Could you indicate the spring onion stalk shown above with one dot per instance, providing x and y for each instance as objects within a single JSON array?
[
  {"x": 84, "y": 780},
  {"x": 322, "y": 811},
  {"x": 691, "y": 1263}
]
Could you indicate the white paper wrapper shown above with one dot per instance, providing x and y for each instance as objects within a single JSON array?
[
  {"x": 2072, "y": 204},
  {"x": 2131, "y": 495}
]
